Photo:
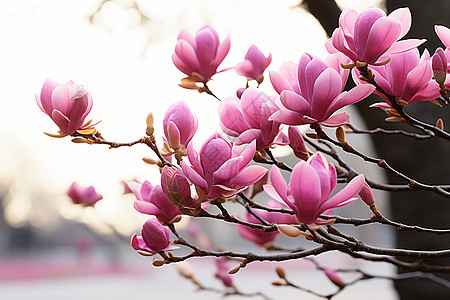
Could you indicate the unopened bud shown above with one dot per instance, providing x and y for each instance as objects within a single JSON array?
[
  {"x": 440, "y": 124},
  {"x": 395, "y": 119},
  {"x": 234, "y": 269},
  {"x": 150, "y": 161},
  {"x": 158, "y": 263},
  {"x": 402, "y": 102},
  {"x": 277, "y": 283},
  {"x": 366, "y": 194},
  {"x": 334, "y": 278},
  {"x": 439, "y": 66},
  {"x": 312, "y": 135},
  {"x": 80, "y": 141},
  {"x": 340, "y": 135},
  {"x": 280, "y": 272},
  {"x": 150, "y": 121},
  {"x": 289, "y": 230}
]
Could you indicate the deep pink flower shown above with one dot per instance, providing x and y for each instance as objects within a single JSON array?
[
  {"x": 314, "y": 94},
  {"x": 176, "y": 187},
  {"x": 151, "y": 200},
  {"x": 222, "y": 272},
  {"x": 310, "y": 185},
  {"x": 407, "y": 77},
  {"x": 180, "y": 125},
  {"x": 366, "y": 36},
  {"x": 199, "y": 58},
  {"x": 220, "y": 169},
  {"x": 257, "y": 236},
  {"x": 439, "y": 65},
  {"x": 83, "y": 196},
  {"x": 254, "y": 64},
  {"x": 67, "y": 104},
  {"x": 248, "y": 119},
  {"x": 155, "y": 238}
]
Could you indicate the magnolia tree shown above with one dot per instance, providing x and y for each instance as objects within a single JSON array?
[{"x": 206, "y": 182}]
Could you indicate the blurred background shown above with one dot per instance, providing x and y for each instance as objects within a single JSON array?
[{"x": 121, "y": 51}]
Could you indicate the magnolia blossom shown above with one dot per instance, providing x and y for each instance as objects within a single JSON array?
[
  {"x": 151, "y": 200},
  {"x": 254, "y": 64},
  {"x": 199, "y": 57},
  {"x": 180, "y": 125},
  {"x": 248, "y": 119},
  {"x": 313, "y": 93},
  {"x": 83, "y": 196},
  {"x": 309, "y": 188},
  {"x": 176, "y": 187},
  {"x": 256, "y": 235},
  {"x": 407, "y": 77},
  {"x": 67, "y": 104},
  {"x": 366, "y": 36},
  {"x": 220, "y": 169},
  {"x": 155, "y": 238}
]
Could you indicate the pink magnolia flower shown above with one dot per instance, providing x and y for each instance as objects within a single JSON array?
[
  {"x": 248, "y": 119},
  {"x": 199, "y": 57},
  {"x": 220, "y": 169},
  {"x": 314, "y": 94},
  {"x": 439, "y": 65},
  {"x": 67, "y": 104},
  {"x": 309, "y": 188},
  {"x": 83, "y": 196},
  {"x": 366, "y": 36},
  {"x": 176, "y": 187},
  {"x": 257, "y": 236},
  {"x": 407, "y": 77},
  {"x": 254, "y": 64},
  {"x": 444, "y": 35},
  {"x": 222, "y": 272},
  {"x": 155, "y": 238},
  {"x": 180, "y": 125},
  {"x": 151, "y": 200}
]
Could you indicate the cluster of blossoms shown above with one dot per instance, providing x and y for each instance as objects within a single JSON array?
[{"x": 310, "y": 92}]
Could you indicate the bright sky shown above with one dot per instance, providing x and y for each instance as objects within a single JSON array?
[{"x": 127, "y": 79}]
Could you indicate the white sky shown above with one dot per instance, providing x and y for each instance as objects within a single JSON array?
[{"x": 54, "y": 39}]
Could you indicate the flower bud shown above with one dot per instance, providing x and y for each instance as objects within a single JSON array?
[
  {"x": 297, "y": 143},
  {"x": 366, "y": 194},
  {"x": 280, "y": 272},
  {"x": 439, "y": 65},
  {"x": 340, "y": 135},
  {"x": 155, "y": 238},
  {"x": 150, "y": 121},
  {"x": 440, "y": 124},
  {"x": 254, "y": 64},
  {"x": 180, "y": 125}
]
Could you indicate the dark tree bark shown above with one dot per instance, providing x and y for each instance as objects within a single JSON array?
[{"x": 426, "y": 161}]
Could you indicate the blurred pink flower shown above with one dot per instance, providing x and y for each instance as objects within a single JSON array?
[
  {"x": 67, "y": 104},
  {"x": 180, "y": 125},
  {"x": 254, "y": 64},
  {"x": 256, "y": 235},
  {"x": 151, "y": 200},
  {"x": 83, "y": 196},
  {"x": 222, "y": 272},
  {"x": 407, "y": 77},
  {"x": 248, "y": 119},
  {"x": 334, "y": 278},
  {"x": 310, "y": 185},
  {"x": 220, "y": 169},
  {"x": 155, "y": 238},
  {"x": 199, "y": 57},
  {"x": 314, "y": 94},
  {"x": 366, "y": 36}
]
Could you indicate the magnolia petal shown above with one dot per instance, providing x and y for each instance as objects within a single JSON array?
[
  {"x": 403, "y": 15},
  {"x": 356, "y": 94},
  {"x": 344, "y": 196},
  {"x": 405, "y": 45},
  {"x": 336, "y": 120},
  {"x": 443, "y": 34},
  {"x": 295, "y": 102},
  {"x": 193, "y": 176},
  {"x": 248, "y": 176},
  {"x": 279, "y": 83},
  {"x": 228, "y": 170}
]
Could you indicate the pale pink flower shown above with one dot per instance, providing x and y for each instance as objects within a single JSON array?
[
  {"x": 309, "y": 188},
  {"x": 199, "y": 57},
  {"x": 314, "y": 92},
  {"x": 222, "y": 272},
  {"x": 254, "y": 64},
  {"x": 407, "y": 77},
  {"x": 180, "y": 125},
  {"x": 83, "y": 196},
  {"x": 248, "y": 119},
  {"x": 67, "y": 104},
  {"x": 256, "y": 235},
  {"x": 220, "y": 169},
  {"x": 151, "y": 200},
  {"x": 366, "y": 36},
  {"x": 154, "y": 238}
]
